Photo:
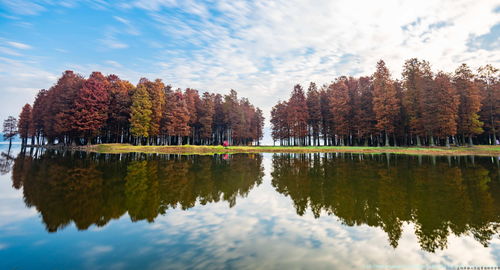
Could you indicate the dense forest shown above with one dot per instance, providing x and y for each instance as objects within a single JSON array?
[
  {"x": 423, "y": 108},
  {"x": 106, "y": 109}
]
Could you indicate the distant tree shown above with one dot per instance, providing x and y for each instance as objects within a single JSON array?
[
  {"x": 364, "y": 116},
  {"x": 91, "y": 107},
  {"x": 218, "y": 124},
  {"x": 232, "y": 115},
  {"x": 120, "y": 101},
  {"x": 178, "y": 117},
  {"x": 25, "y": 124},
  {"x": 156, "y": 96},
  {"x": 39, "y": 115},
  {"x": 258, "y": 125},
  {"x": 489, "y": 81},
  {"x": 469, "y": 124},
  {"x": 340, "y": 108},
  {"x": 279, "y": 124},
  {"x": 206, "y": 112},
  {"x": 9, "y": 129},
  {"x": 297, "y": 115},
  {"x": 60, "y": 118},
  {"x": 447, "y": 110},
  {"x": 413, "y": 83},
  {"x": 327, "y": 125},
  {"x": 192, "y": 99},
  {"x": 429, "y": 102},
  {"x": 314, "y": 112},
  {"x": 140, "y": 114},
  {"x": 385, "y": 103}
]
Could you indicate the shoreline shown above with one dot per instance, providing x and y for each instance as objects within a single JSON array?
[{"x": 479, "y": 150}]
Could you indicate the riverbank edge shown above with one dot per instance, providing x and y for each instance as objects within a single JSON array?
[{"x": 481, "y": 150}]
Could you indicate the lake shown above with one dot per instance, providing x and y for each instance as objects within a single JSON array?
[{"x": 78, "y": 210}]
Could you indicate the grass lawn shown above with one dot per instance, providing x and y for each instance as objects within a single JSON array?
[{"x": 484, "y": 150}]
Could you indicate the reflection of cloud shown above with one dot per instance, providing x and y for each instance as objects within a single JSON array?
[
  {"x": 12, "y": 207},
  {"x": 263, "y": 231},
  {"x": 3, "y": 246},
  {"x": 97, "y": 250}
]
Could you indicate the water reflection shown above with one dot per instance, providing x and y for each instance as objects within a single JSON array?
[
  {"x": 440, "y": 195},
  {"x": 92, "y": 189}
]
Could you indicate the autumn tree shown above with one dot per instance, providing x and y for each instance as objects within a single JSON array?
[
  {"x": 469, "y": 124},
  {"x": 340, "y": 108},
  {"x": 257, "y": 126},
  {"x": 413, "y": 84},
  {"x": 140, "y": 114},
  {"x": 192, "y": 100},
  {"x": 39, "y": 114},
  {"x": 364, "y": 120},
  {"x": 178, "y": 117},
  {"x": 120, "y": 101},
  {"x": 314, "y": 113},
  {"x": 297, "y": 115},
  {"x": 25, "y": 124},
  {"x": 156, "y": 97},
  {"x": 231, "y": 114},
  {"x": 60, "y": 118},
  {"x": 279, "y": 125},
  {"x": 91, "y": 107},
  {"x": 385, "y": 103},
  {"x": 327, "y": 124},
  {"x": 429, "y": 102},
  {"x": 447, "y": 110},
  {"x": 206, "y": 112},
  {"x": 489, "y": 81}
]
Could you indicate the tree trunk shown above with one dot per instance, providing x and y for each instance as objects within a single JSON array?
[
  {"x": 431, "y": 140},
  {"x": 419, "y": 144}
]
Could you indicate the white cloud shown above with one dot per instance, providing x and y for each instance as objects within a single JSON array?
[
  {"x": 113, "y": 63},
  {"x": 9, "y": 51},
  {"x": 19, "y": 45},
  {"x": 130, "y": 28},
  {"x": 262, "y": 48},
  {"x": 263, "y": 231},
  {"x": 22, "y": 7}
]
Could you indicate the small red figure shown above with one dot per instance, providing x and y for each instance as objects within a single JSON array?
[{"x": 225, "y": 144}]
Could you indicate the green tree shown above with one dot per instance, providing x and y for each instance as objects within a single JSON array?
[{"x": 140, "y": 116}]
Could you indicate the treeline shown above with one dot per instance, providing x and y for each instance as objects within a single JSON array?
[
  {"x": 424, "y": 108},
  {"x": 106, "y": 109}
]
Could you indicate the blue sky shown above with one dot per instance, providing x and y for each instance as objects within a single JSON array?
[{"x": 260, "y": 48}]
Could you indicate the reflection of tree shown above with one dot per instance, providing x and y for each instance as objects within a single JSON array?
[
  {"x": 439, "y": 195},
  {"x": 6, "y": 161},
  {"x": 91, "y": 189}
]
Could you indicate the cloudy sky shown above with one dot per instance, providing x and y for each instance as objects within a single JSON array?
[{"x": 260, "y": 48}]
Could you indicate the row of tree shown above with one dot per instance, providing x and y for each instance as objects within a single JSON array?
[
  {"x": 106, "y": 109},
  {"x": 422, "y": 108}
]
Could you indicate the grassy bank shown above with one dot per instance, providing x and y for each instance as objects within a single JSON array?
[{"x": 192, "y": 149}]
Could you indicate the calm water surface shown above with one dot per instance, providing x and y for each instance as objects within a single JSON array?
[{"x": 270, "y": 211}]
